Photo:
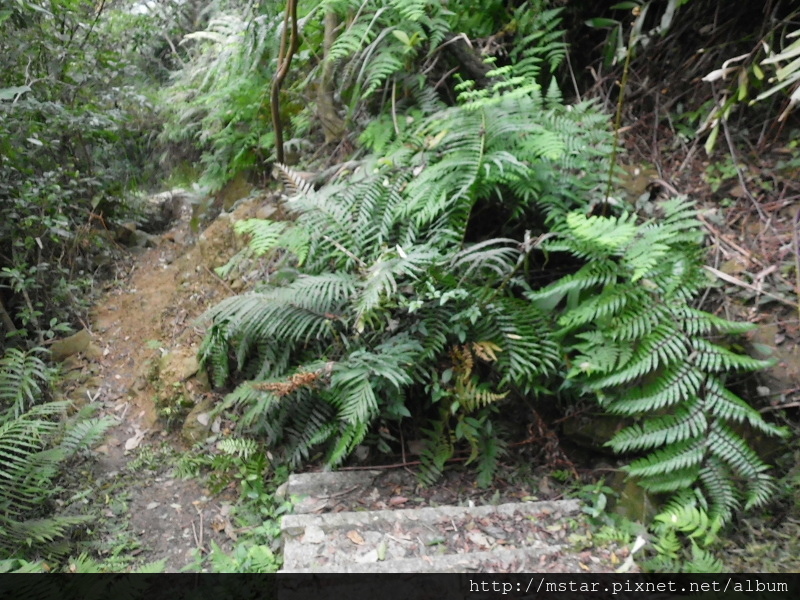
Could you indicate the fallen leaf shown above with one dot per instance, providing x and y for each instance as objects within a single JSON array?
[
  {"x": 397, "y": 500},
  {"x": 479, "y": 539},
  {"x": 218, "y": 523},
  {"x": 229, "y": 531},
  {"x": 355, "y": 537},
  {"x": 136, "y": 439}
]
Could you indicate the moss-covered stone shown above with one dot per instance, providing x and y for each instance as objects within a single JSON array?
[{"x": 69, "y": 346}]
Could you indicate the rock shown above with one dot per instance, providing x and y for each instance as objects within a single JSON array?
[
  {"x": 266, "y": 211},
  {"x": 71, "y": 363},
  {"x": 124, "y": 233},
  {"x": 178, "y": 365},
  {"x": 164, "y": 208},
  {"x": 593, "y": 432},
  {"x": 93, "y": 352},
  {"x": 62, "y": 349},
  {"x": 144, "y": 240},
  {"x": 196, "y": 427}
]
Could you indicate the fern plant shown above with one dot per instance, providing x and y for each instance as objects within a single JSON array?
[
  {"x": 24, "y": 378},
  {"x": 390, "y": 298},
  {"x": 635, "y": 342},
  {"x": 681, "y": 522},
  {"x": 407, "y": 287},
  {"x": 216, "y": 101},
  {"x": 382, "y": 41},
  {"x": 35, "y": 440}
]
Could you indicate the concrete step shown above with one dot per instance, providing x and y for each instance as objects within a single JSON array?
[{"x": 511, "y": 537}]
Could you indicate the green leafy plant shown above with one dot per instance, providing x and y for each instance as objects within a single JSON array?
[
  {"x": 74, "y": 138},
  {"x": 216, "y": 100},
  {"x": 634, "y": 341},
  {"x": 678, "y": 524},
  {"x": 770, "y": 67},
  {"x": 35, "y": 441},
  {"x": 258, "y": 511},
  {"x": 418, "y": 287},
  {"x": 392, "y": 300}
]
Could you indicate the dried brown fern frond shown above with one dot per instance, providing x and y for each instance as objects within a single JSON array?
[{"x": 293, "y": 179}]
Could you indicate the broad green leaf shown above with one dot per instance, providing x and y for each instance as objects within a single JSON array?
[
  {"x": 625, "y": 5},
  {"x": 602, "y": 22},
  {"x": 12, "y": 92},
  {"x": 402, "y": 36},
  {"x": 712, "y": 139}
]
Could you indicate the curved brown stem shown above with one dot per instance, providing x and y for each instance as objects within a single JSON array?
[{"x": 284, "y": 62}]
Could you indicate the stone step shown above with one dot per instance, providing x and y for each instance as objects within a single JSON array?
[
  {"x": 510, "y": 537},
  {"x": 440, "y": 539},
  {"x": 521, "y": 560}
]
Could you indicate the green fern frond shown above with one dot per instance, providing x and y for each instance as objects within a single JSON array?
[
  {"x": 726, "y": 405},
  {"x": 678, "y": 383},
  {"x": 717, "y": 480},
  {"x": 84, "y": 434},
  {"x": 439, "y": 448},
  {"x": 596, "y": 274},
  {"x": 688, "y": 454},
  {"x": 23, "y": 378},
  {"x": 716, "y": 359},
  {"x": 499, "y": 255},
  {"x": 688, "y": 422},
  {"x": 244, "y": 448},
  {"x": 264, "y": 234}
]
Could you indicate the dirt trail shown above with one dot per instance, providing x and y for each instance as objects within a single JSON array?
[{"x": 151, "y": 312}]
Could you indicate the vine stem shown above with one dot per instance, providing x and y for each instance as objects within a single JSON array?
[{"x": 284, "y": 62}]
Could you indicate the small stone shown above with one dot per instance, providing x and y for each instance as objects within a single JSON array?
[
  {"x": 153, "y": 505},
  {"x": 265, "y": 212}
]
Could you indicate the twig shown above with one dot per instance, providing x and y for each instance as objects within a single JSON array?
[
  {"x": 745, "y": 253},
  {"x": 779, "y": 407},
  {"x": 219, "y": 280},
  {"x": 572, "y": 77},
  {"x": 796, "y": 259},
  {"x": 284, "y": 62},
  {"x": 744, "y": 284},
  {"x": 618, "y": 119},
  {"x": 394, "y": 108},
  {"x": 341, "y": 248},
  {"x": 742, "y": 182}
]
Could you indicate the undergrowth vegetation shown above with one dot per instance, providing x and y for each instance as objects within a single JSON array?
[
  {"x": 456, "y": 258},
  {"x": 75, "y": 129},
  {"x": 75, "y": 137},
  {"x": 36, "y": 441},
  {"x": 407, "y": 288}
]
